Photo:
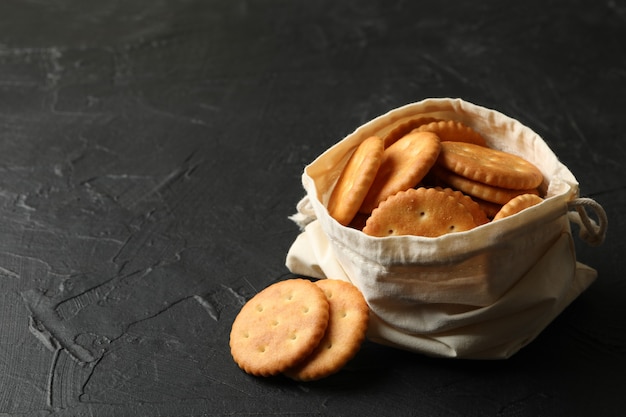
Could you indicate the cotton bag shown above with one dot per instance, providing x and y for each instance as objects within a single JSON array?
[{"x": 480, "y": 294}]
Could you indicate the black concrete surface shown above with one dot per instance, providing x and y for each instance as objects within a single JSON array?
[{"x": 151, "y": 153}]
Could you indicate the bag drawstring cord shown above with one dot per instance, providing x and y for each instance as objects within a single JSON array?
[{"x": 591, "y": 232}]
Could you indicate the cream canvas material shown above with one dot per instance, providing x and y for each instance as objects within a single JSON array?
[{"x": 480, "y": 294}]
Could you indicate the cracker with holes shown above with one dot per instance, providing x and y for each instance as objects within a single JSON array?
[
  {"x": 355, "y": 180},
  {"x": 423, "y": 212},
  {"x": 279, "y": 327},
  {"x": 404, "y": 165},
  {"x": 349, "y": 316}
]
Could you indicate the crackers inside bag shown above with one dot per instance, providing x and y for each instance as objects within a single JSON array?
[{"x": 425, "y": 178}]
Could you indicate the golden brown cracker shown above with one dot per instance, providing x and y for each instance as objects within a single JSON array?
[
  {"x": 517, "y": 204},
  {"x": 489, "y": 166},
  {"x": 405, "y": 128},
  {"x": 452, "y": 130},
  {"x": 347, "y": 325},
  {"x": 479, "y": 190},
  {"x": 423, "y": 212},
  {"x": 355, "y": 180},
  {"x": 479, "y": 215},
  {"x": 279, "y": 327},
  {"x": 404, "y": 165}
]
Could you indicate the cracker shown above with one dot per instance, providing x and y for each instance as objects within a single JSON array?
[
  {"x": 424, "y": 212},
  {"x": 451, "y": 130},
  {"x": 347, "y": 325},
  {"x": 479, "y": 215},
  {"x": 355, "y": 180},
  {"x": 517, "y": 204},
  {"x": 479, "y": 190},
  {"x": 405, "y": 128},
  {"x": 404, "y": 165},
  {"x": 279, "y": 326},
  {"x": 489, "y": 166}
]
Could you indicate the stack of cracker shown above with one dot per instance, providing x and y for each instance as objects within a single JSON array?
[
  {"x": 431, "y": 177},
  {"x": 302, "y": 329}
]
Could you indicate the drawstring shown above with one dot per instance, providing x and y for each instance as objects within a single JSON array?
[
  {"x": 305, "y": 214},
  {"x": 591, "y": 232}
]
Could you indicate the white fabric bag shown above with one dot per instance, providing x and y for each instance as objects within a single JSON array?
[{"x": 479, "y": 294}]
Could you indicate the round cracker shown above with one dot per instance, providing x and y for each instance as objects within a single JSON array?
[
  {"x": 517, "y": 204},
  {"x": 279, "y": 326},
  {"x": 451, "y": 130},
  {"x": 355, "y": 180},
  {"x": 477, "y": 189},
  {"x": 489, "y": 166},
  {"x": 405, "y": 128},
  {"x": 404, "y": 165},
  {"x": 347, "y": 325},
  {"x": 423, "y": 212},
  {"x": 479, "y": 215}
]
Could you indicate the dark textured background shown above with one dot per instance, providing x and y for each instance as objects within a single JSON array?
[{"x": 151, "y": 152}]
